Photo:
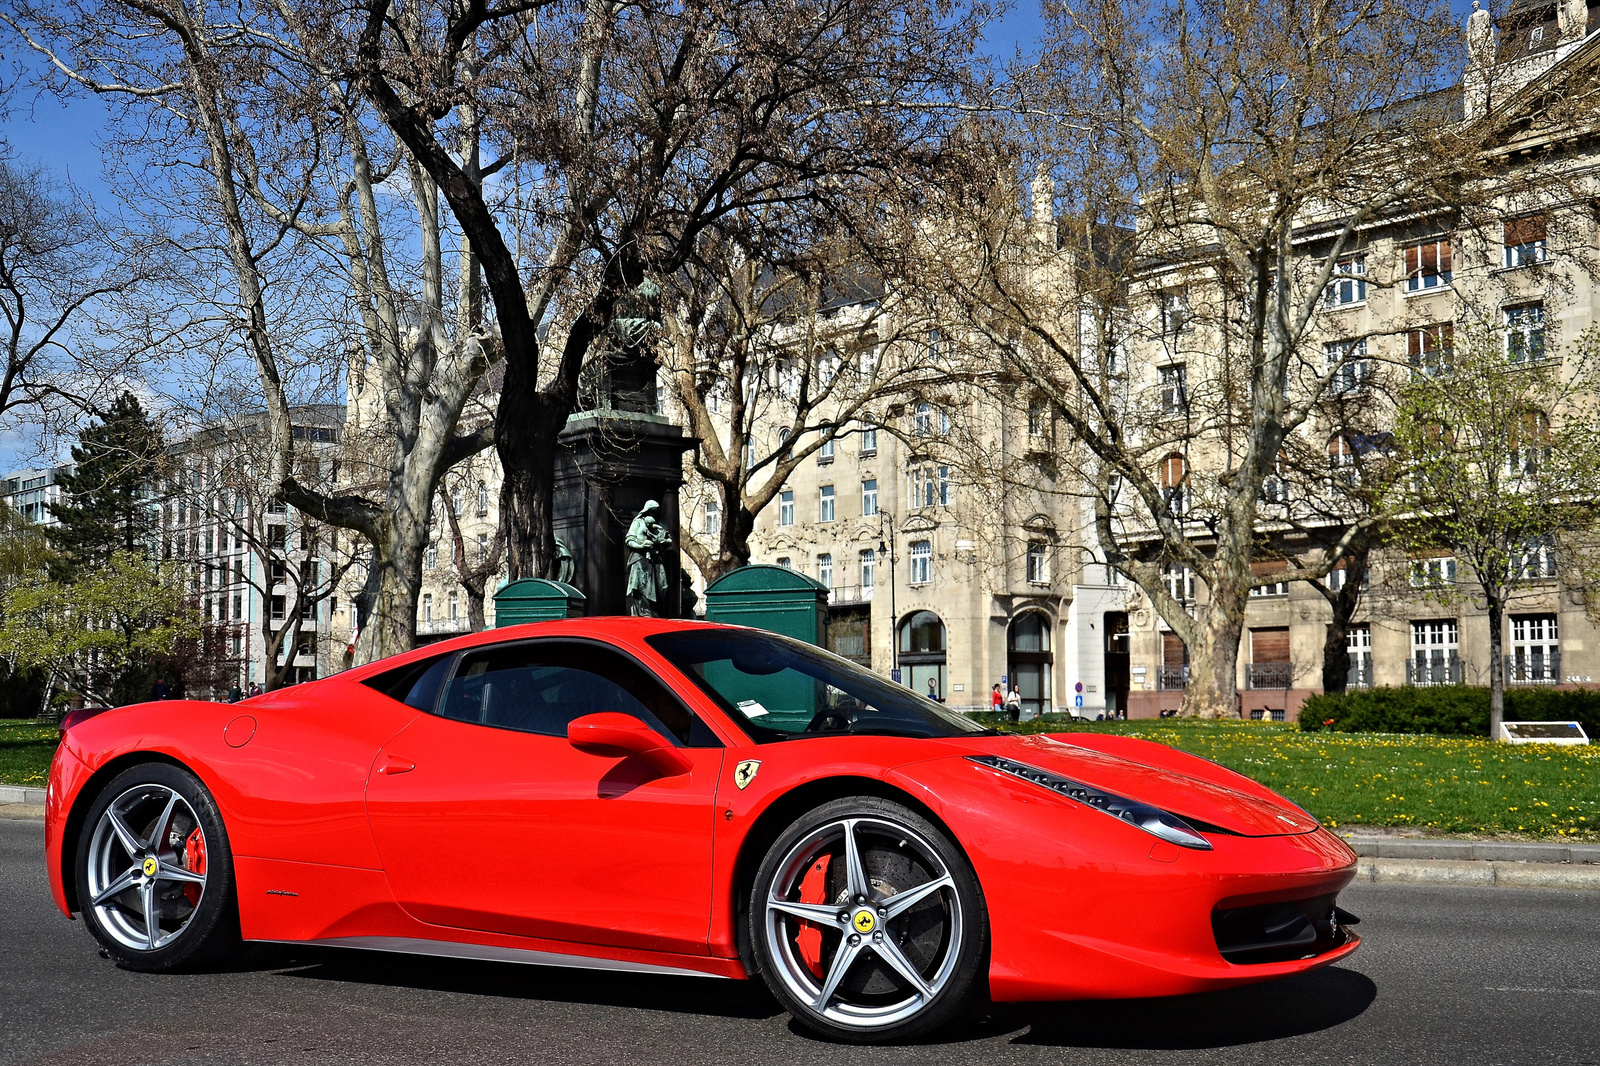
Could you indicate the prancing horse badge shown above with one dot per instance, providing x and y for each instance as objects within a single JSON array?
[{"x": 745, "y": 772}]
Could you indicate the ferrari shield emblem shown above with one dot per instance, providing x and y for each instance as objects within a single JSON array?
[{"x": 745, "y": 772}]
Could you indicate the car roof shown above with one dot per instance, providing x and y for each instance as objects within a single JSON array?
[{"x": 606, "y": 627}]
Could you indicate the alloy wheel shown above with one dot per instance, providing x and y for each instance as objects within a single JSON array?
[{"x": 146, "y": 867}]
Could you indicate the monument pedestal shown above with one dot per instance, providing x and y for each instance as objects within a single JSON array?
[{"x": 610, "y": 464}]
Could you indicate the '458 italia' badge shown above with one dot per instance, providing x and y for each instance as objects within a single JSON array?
[{"x": 745, "y": 772}]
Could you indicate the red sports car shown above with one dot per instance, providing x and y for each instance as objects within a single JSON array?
[{"x": 673, "y": 797}]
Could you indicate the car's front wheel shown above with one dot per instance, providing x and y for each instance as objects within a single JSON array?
[
  {"x": 868, "y": 923},
  {"x": 155, "y": 873}
]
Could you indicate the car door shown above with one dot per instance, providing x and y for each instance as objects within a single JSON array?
[{"x": 487, "y": 818}]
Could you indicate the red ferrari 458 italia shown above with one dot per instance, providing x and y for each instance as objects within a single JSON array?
[{"x": 673, "y": 797}]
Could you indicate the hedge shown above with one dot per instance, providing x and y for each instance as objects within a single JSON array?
[{"x": 1446, "y": 710}]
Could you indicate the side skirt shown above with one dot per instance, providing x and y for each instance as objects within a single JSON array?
[{"x": 446, "y": 949}]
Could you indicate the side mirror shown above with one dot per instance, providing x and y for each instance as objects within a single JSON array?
[{"x": 612, "y": 734}]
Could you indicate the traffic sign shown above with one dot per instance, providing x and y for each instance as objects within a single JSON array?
[
  {"x": 1078, "y": 687},
  {"x": 1077, "y": 701}
]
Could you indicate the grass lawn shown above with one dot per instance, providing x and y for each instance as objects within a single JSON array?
[
  {"x": 26, "y": 748},
  {"x": 1349, "y": 780}
]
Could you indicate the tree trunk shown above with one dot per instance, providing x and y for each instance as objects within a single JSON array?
[
  {"x": 1497, "y": 667},
  {"x": 1336, "y": 655},
  {"x": 1212, "y": 690}
]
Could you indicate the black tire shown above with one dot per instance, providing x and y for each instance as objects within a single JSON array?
[
  {"x": 940, "y": 931},
  {"x": 197, "y": 924}
]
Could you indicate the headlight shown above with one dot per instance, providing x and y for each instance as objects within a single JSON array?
[{"x": 1152, "y": 820}]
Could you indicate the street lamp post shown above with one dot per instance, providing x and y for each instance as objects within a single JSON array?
[{"x": 887, "y": 545}]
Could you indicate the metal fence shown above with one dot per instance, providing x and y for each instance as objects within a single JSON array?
[
  {"x": 1172, "y": 678},
  {"x": 1534, "y": 666},
  {"x": 1268, "y": 675},
  {"x": 1431, "y": 671}
]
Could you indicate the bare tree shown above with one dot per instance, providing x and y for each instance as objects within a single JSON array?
[
  {"x": 635, "y": 129},
  {"x": 279, "y": 186},
  {"x": 1220, "y": 172},
  {"x": 774, "y": 365},
  {"x": 57, "y": 264},
  {"x": 477, "y": 562}
]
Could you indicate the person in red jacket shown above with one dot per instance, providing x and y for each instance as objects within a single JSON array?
[{"x": 996, "y": 700}]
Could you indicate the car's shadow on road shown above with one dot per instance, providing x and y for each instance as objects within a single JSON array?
[
  {"x": 1292, "y": 1006},
  {"x": 679, "y": 995}
]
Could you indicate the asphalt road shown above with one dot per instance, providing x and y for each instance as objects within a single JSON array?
[{"x": 1454, "y": 976}]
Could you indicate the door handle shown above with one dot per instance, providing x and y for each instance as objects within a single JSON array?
[{"x": 394, "y": 764}]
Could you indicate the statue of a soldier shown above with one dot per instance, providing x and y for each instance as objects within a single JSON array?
[{"x": 648, "y": 542}]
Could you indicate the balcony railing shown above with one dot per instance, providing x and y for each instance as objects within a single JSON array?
[
  {"x": 844, "y": 595},
  {"x": 444, "y": 625},
  {"x": 1172, "y": 678},
  {"x": 1433, "y": 671},
  {"x": 1360, "y": 676},
  {"x": 1534, "y": 666},
  {"x": 1268, "y": 675}
]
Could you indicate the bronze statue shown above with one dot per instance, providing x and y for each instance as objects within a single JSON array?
[{"x": 648, "y": 542}]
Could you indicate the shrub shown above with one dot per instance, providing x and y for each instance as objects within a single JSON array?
[{"x": 1448, "y": 711}]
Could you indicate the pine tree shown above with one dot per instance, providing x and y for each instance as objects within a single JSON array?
[{"x": 107, "y": 505}]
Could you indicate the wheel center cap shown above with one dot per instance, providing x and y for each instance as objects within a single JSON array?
[
  {"x": 864, "y": 921},
  {"x": 150, "y": 867}
]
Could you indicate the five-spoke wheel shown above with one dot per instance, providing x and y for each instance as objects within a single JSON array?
[
  {"x": 868, "y": 923},
  {"x": 154, "y": 871}
]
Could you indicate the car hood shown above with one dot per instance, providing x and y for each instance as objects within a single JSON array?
[{"x": 1200, "y": 792}]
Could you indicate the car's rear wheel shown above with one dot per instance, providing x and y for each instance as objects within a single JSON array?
[
  {"x": 155, "y": 873},
  {"x": 868, "y": 923}
]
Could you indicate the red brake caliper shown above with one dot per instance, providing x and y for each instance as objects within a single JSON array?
[
  {"x": 813, "y": 889},
  {"x": 194, "y": 860}
]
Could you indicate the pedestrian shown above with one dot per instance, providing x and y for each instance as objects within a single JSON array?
[
  {"x": 933, "y": 690},
  {"x": 997, "y": 700},
  {"x": 158, "y": 691},
  {"x": 255, "y": 689},
  {"x": 1014, "y": 704},
  {"x": 234, "y": 695}
]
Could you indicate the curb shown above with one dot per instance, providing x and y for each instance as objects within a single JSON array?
[
  {"x": 1478, "y": 873},
  {"x": 1380, "y": 847},
  {"x": 33, "y": 797}
]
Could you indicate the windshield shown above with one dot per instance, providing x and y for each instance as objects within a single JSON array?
[{"x": 778, "y": 688}]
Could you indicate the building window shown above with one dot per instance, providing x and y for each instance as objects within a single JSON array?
[
  {"x": 1535, "y": 657},
  {"x": 483, "y": 498},
  {"x": 825, "y": 569},
  {"x": 922, "y": 486},
  {"x": 713, "y": 522},
  {"x": 786, "y": 508},
  {"x": 1429, "y": 350},
  {"x": 1340, "y": 574},
  {"x": 1525, "y": 333},
  {"x": 923, "y": 423},
  {"x": 1342, "y": 462},
  {"x": 430, "y": 558},
  {"x": 1038, "y": 563},
  {"x": 1038, "y": 421},
  {"x": 785, "y": 562},
  {"x": 1435, "y": 572},
  {"x": 921, "y": 562},
  {"x": 455, "y": 501},
  {"x": 1428, "y": 265},
  {"x": 1435, "y": 653},
  {"x": 1358, "y": 642},
  {"x": 1349, "y": 369},
  {"x": 1533, "y": 560},
  {"x": 825, "y": 453},
  {"x": 427, "y": 606},
  {"x": 1525, "y": 241},
  {"x": 1269, "y": 579},
  {"x": 1275, "y": 486},
  {"x": 1179, "y": 581},
  {"x": 944, "y": 486},
  {"x": 869, "y": 497},
  {"x": 238, "y": 608},
  {"x": 867, "y": 362},
  {"x": 1174, "y": 311},
  {"x": 483, "y": 547},
  {"x": 1174, "y": 382},
  {"x": 825, "y": 512},
  {"x": 276, "y": 607},
  {"x": 454, "y": 607},
  {"x": 1349, "y": 283},
  {"x": 1174, "y": 476},
  {"x": 869, "y": 440},
  {"x": 869, "y": 565}
]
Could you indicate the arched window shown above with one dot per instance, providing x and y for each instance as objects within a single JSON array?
[
  {"x": 1029, "y": 661},
  {"x": 923, "y": 424},
  {"x": 922, "y": 654}
]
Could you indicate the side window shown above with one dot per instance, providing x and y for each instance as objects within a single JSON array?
[
  {"x": 416, "y": 684},
  {"x": 541, "y": 686}
]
